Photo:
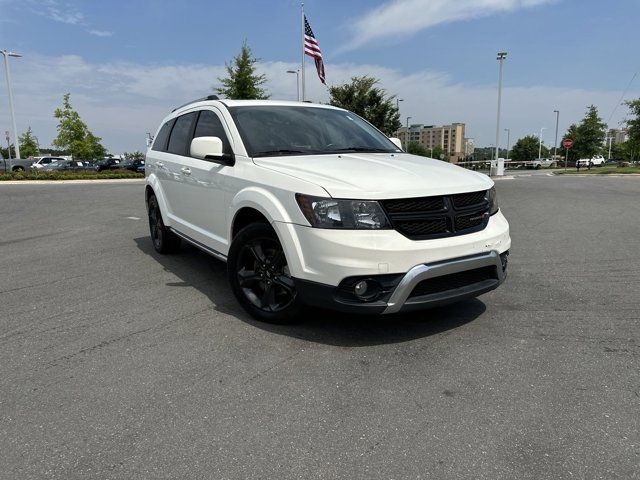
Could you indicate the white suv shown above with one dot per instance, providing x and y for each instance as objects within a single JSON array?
[{"x": 311, "y": 205}]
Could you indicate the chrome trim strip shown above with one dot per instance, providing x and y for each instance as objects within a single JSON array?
[
  {"x": 424, "y": 271},
  {"x": 197, "y": 244}
]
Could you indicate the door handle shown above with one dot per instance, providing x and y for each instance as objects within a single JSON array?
[
  {"x": 186, "y": 170},
  {"x": 159, "y": 164}
]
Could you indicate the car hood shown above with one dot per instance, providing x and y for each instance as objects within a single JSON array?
[{"x": 378, "y": 175}]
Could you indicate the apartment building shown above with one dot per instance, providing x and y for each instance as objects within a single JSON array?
[{"x": 448, "y": 137}]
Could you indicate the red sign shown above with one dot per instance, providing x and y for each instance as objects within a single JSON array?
[{"x": 567, "y": 143}]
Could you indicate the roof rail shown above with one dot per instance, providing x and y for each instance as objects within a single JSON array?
[{"x": 208, "y": 97}]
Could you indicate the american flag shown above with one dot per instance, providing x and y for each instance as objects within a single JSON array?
[{"x": 312, "y": 49}]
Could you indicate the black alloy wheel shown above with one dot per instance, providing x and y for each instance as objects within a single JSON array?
[
  {"x": 164, "y": 241},
  {"x": 260, "y": 277}
]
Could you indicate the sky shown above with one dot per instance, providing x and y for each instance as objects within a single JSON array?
[{"x": 127, "y": 64}]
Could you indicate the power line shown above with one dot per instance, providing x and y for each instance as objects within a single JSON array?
[{"x": 622, "y": 97}]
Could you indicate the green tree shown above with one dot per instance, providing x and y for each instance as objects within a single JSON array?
[
  {"x": 132, "y": 156},
  {"x": 4, "y": 151},
  {"x": 28, "y": 144},
  {"x": 242, "y": 83},
  {"x": 416, "y": 148},
  {"x": 526, "y": 149},
  {"x": 588, "y": 136},
  {"x": 363, "y": 97},
  {"x": 73, "y": 134},
  {"x": 438, "y": 152},
  {"x": 632, "y": 146}
]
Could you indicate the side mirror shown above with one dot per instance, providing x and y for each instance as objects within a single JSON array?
[
  {"x": 206, "y": 148},
  {"x": 396, "y": 142}
]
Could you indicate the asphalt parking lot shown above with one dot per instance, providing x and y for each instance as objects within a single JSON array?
[{"x": 118, "y": 363}]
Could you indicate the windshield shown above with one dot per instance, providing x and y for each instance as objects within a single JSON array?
[{"x": 297, "y": 130}]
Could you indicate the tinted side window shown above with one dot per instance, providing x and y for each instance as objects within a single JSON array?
[
  {"x": 181, "y": 134},
  {"x": 209, "y": 125},
  {"x": 160, "y": 142}
]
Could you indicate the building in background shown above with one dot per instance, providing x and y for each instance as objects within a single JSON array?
[
  {"x": 618, "y": 135},
  {"x": 448, "y": 137},
  {"x": 469, "y": 147}
]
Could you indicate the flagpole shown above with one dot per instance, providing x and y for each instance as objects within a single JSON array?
[{"x": 302, "y": 59}]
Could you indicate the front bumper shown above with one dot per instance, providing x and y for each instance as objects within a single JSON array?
[
  {"x": 329, "y": 256},
  {"x": 402, "y": 292}
]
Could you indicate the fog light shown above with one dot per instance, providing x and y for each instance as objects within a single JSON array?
[
  {"x": 367, "y": 290},
  {"x": 361, "y": 288}
]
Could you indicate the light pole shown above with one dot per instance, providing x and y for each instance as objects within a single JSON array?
[
  {"x": 610, "y": 140},
  {"x": 501, "y": 57},
  {"x": 7, "y": 54},
  {"x": 398, "y": 100},
  {"x": 540, "y": 143},
  {"x": 508, "y": 130},
  {"x": 555, "y": 145},
  {"x": 297, "y": 72},
  {"x": 407, "y": 136}
]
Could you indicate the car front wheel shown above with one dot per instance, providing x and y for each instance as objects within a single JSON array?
[{"x": 259, "y": 275}]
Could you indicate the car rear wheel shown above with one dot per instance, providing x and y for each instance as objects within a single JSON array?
[
  {"x": 163, "y": 239},
  {"x": 259, "y": 275}
]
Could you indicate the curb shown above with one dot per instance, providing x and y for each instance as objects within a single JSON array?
[{"x": 73, "y": 182}]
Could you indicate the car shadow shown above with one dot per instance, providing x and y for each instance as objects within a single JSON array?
[{"x": 196, "y": 269}]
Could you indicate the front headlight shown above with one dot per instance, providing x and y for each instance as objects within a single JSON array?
[
  {"x": 492, "y": 196},
  {"x": 338, "y": 213}
]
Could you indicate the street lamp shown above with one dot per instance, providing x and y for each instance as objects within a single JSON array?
[
  {"x": 297, "y": 72},
  {"x": 407, "y": 136},
  {"x": 7, "y": 54},
  {"x": 398, "y": 100},
  {"x": 501, "y": 57},
  {"x": 508, "y": 130},
  {"x": 540, "y": 143},
  {"x": 555, "y": 145}
]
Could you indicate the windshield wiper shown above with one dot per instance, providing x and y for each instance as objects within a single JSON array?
[
  {"x": 362, "y": 149},
  {"x": 280, "y": 151}
]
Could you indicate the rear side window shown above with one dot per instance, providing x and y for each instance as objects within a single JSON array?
[
  {"x": 181, "y": 134},
  {"x": 160, "y": 142},
  {"x": 209, "y": 125}
]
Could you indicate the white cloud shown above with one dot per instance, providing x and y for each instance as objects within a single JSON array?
[
  {"x": 100, "y": 33},
  {"x": 122, "y": 101},
  {"x": 397, "y": 18}
]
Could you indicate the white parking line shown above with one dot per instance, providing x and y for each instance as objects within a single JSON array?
[{"x": 133, "y": 218}]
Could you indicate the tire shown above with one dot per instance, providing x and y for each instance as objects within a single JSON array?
[
  {"x": 18, "y": 169},
  {"x": 259, "y": 276},
  {"x": 163, "y": 239}
]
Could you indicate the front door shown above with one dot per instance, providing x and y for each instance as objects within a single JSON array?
[{"x": 205, "y": 184}]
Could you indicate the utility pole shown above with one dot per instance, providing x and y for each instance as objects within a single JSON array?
[
  {"x": 297, "y": 72},
  {"x": 407, "y": 135},
  {"x": 555, "y": 144},
  {"x": 540, "y": 143},
  {"x": 501, "y": 57},
  {"x": 7, "y": 54},
  {"x": 508, "y": 130}
]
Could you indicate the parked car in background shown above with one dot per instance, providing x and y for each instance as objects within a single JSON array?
[
  {"x": 612, "y": 161},
  {"x": 540, "y": 163},
  {"x": 133, "y": 165},
  {"x": 108, "y": 164},
  {"x": 42, "y": 162},
  {"x": 15, "y": 165},
  {"x": 596, "y": 161},
  {"x": 68, "y": 166}
]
